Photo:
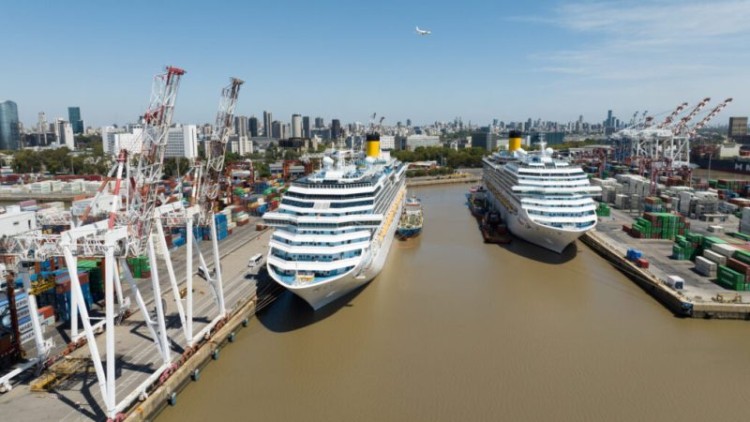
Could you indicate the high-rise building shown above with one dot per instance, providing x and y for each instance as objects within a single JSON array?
[
  {"x": 335, "y": 129},
  {"x": 408, "y": 122},
  {"x": 253, "y": 126},
  {"x": 116, "y": 139},
  {"x": 319, "y": 123},
  {"x": 240, "y": 126},
  {"x": 276, "y": 129},
  {"x": 267, "y": 122},
  {"x": 241, "y": 145},
  {"x": 306, "y": 133},
  {"x": 64, "y": 133},
  {"x": 296, "y": 126},
  {"x": 737, "y": 126},
  {"x": 10, "y": 135},
  {"x": 74, "y": 117},
  {"x": 182, "y": 142}
]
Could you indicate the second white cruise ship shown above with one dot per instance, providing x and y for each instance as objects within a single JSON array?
[
  {"x": 334, "y": 228},
  {"x": 545, "y": 201}
]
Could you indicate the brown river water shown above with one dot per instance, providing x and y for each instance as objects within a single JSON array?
[{"x": 457, "y": 330}]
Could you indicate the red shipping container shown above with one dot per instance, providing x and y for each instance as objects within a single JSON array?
[
  {"x": 642, "y": 263},
  {"x": 738, "y": 266},
  {"x": 47, "y": 312}
]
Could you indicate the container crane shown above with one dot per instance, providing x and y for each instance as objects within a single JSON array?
[
  {"x": 679, "y": 128},
  {"x": 668, "y": 120},
  {"x": 126, "y": 232},
  {"x": 713, "y": 113},
  {"x": 204, "y": 198}
]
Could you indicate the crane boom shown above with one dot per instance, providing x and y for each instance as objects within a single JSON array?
[
  {"x": 680, "y": 127},
  {"x": 216, "y": 146},
  {"x": 668, "y": 120},
  {"x": 710, "y": 116}
]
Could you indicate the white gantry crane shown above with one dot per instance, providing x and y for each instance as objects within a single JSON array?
[
  {"x": 207, "y": 185},
  {"x": 126, "y": 232}
]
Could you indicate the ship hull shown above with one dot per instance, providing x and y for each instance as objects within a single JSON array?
[
  {"x": 406, "y": 233},
  {"x": 521, "y": 226},
  {"x": 729, "y": 165},
  {"x": 323, "y": 293}
]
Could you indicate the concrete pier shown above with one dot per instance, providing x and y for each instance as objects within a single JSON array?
[
  {"x": 442, "y": 180},
  {"x": 67, "y": 390},
  {"x": 700, "y": 298}
]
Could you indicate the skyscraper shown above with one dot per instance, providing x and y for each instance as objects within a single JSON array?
[
  {"x": 275, "y": 129},
  {"x": 253, "y": 126},
  {"x": 74, "y": 117},
  {"x": 10, "y": 136},
  {"x": 306, "y": 132},
  {"x": 182, "y": 141},
  {"x": 296, "y": 126},
  {"x": 267, "y": 119},
  {"x": 240, "y": 125},
  {"x": 319, "y": 123},
  {"x": 64, "y": 132},
  {"x": 335, "y": 129}
]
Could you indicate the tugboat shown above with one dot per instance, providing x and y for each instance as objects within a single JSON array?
[
  {"x": 490, "y": 222},
  {"x": 410, "y": 224},
  {"x": 493, "y": 230},
  {"x": 477, "y": 201}
]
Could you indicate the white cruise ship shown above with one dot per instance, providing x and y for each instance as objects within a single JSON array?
[
  {"x": 334, "y": 228},
  {"x": 545, "y": 201}
]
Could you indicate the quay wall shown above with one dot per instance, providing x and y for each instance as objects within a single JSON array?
[
  {"x": 157, "y": 400},
  {"x": 441, "y": 180},
  {"x": 672, "y": 299}
]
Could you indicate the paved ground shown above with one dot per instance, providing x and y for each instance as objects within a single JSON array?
[
  {"x": 78, "y": 397},
  {"x": 658, "y": 252}
]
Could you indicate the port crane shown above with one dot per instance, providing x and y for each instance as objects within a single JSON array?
[
  {"x": 201, "y": 213},
  {"x": 669, "y": 119},
  {"x": 125, "y": 232},
  {"x": 713, "y": 113},
  {"x": 680, "y": 127}
]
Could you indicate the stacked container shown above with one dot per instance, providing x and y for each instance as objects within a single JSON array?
[
  {"x": 603, "y": 210},
  {"x": 745, "y": 221},
  {"x": 63, "y": 294},
  {"x": 140, "y": 267},
  {"x": 731, "y": 279},
  {"x": 706, "y": 267}
]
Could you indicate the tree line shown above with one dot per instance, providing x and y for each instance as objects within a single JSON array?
[{"x": 448, "y": 157}]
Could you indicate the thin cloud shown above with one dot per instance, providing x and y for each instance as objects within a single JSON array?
[{"x": 638, "y": 40}]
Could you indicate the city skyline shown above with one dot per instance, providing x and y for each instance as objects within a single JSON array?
[{"x": 552, "y": 60}]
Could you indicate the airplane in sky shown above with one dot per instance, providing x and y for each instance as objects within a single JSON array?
[{"x": 423, "y": 31}]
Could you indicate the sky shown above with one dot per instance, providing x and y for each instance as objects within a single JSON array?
[{"x": 506, "y": 60}]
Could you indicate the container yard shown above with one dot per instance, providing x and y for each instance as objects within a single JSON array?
[
  {"x": 111, "y": 305},
  {"x": 697, "y": 262},
  {"x": 65, "y": 353}
]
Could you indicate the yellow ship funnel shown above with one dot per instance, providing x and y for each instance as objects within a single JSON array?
[
  {"x": 514, "y": 140},
  {"x": 373, "y": 145}
]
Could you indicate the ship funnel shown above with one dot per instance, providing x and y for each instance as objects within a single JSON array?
[
  {"x": 373, "y": 145},
  {"x": 514, "y": 140}
]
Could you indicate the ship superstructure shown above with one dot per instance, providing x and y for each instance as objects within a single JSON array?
[
  {"x": 545, "y": 201},
  {"x": 334, "y": 228}
]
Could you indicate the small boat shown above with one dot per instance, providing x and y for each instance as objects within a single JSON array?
[
  {"x": 410, "y": 224},
  {"x": 477, "y": 202},
  {"x": 493, "y": 230}
]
